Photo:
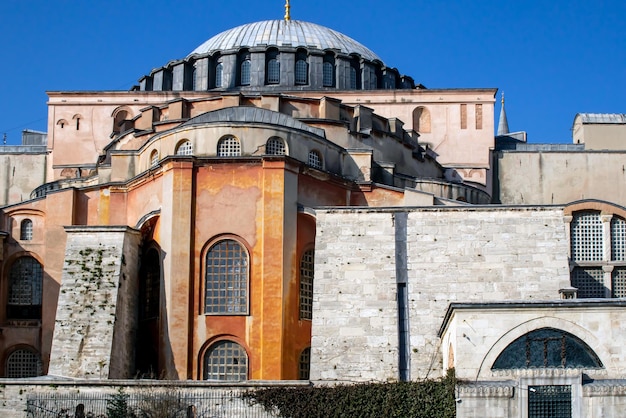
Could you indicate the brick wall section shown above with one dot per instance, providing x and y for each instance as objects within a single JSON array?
[
  {"x": 96, "y": 314},
  {"x": 454, "y": 255}
]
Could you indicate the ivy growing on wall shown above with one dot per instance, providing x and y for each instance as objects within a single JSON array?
[{"x": 423, "y": 399}]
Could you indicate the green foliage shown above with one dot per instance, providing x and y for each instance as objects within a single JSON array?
[
  {"x": 424, "y": 399},
  {"x": 117, "y": 405}
]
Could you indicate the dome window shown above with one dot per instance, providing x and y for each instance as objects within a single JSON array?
[
  {"x": 229, "y": 146},
  {"x": 302, "y": 68},
  {"x": 244, "y": 67},
  {"x": 219, "y": 69},
  {"x": 273, "y": 67},
  {"x": 275, "y": 146},
  {"x": 328, "y": 75},
  {"x": 184, "y": 148}
]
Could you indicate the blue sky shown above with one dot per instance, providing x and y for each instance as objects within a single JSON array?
[{"x": 553, "y": 59}]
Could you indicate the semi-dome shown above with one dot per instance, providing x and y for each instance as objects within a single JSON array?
[{"x": 293, "y": 33}]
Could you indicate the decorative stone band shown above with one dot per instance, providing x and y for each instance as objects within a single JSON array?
[
  {"x": 486, "y": 390},
  {"x": 608, "y": 388},
  {"x": 547, "y": 372}
]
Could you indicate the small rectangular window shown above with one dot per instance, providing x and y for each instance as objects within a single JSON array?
[{"x": 479, "y": 116}]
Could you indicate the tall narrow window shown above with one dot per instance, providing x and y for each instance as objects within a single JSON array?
[
  {"x": 154, "y": 158},
  {"x": 315, "y": 159},
  {"x": 301, "y": 68},
  {"x": 328, "y": 71},
  {"x": 226, "y": 360},
  {"x": 184, "y": 148},
  {"x": 273, "y": 67},
  {"x": 306, "y": 284},
  {"x": 219, "y": 69},
  {"x": 226, "y": 280},
  {"x": 25, "y": 289},
  {"x": 618, "y": 239},
  {"x": 229, "y": 146},
  {"x": 26, "y": 230},
  {"x": 245, "y": 65},
  {"x": 479, "y": 116},
  {"x": 304, "y": 365},
  {"x": 275, "y": 146},
  {"x": 23, "y": 363},
  {"x": 463, "y": 116},
  {"x": 352, "y": 78}
]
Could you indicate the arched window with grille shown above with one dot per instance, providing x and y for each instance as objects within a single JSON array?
[
  {"x": 315, "y": 160},
  {"x": 225, "y": 360},
  {"x": 26, "y": 230},
  {"x": 226, "y": 279},
  {"x": 328, "y": 71},
  {"x": 219, "y": 71},
  {"x": 23, "y": 363},
  {"x": 25, "y": 289},
  {"x": 304, "y": 365},
  {"x": 228, "y": 146},
  {"x": 307, "y": 263},
  {"x": 272, "y": 70},
  {"x": 244, "y": 67},
  {"x": 301, "y": 68},
  {"x": 154, "y": 158},
  {"x": 275, "y": 146},
  {"x": 184, "y": 148}
]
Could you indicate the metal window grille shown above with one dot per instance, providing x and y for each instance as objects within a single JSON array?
[
  {"x": 619, "y": 282},
  {"x": 25, "y": 282},
  {"x": 229, "y": 147},
  {"x": 353, "y": 78},
  {"x": 306, "y": 285},
  {"x": 587, "y": 237},
  {"x": 589, "y": 281},
  {"x": 26, "y": 230},
  {"x": 219, "y": 69},
  {"x": 226, "y": 360},
  {"x": 23, "y": 363},
  {"x": 226, "y": 284},
  {"x": 245, "y": 73},
  {"x": 302, "y": 68},
  {"x": 550, "y": 401},
  {"x": 618, "y": 239},
  {"x": 185, "y": 148},
  {"x": 328, "y": 73},
  {"x": 154, "y": 158},
  {"x": 275, "y": 146},
  {"x": 273, "y": 71},
  {"x": 315, "y": 160},
  {"x": 304, "y": 366}
]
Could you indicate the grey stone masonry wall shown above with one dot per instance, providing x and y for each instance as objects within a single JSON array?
[
  {"x": 453, "y": 255},
  {"x": 96, "y": 314}
]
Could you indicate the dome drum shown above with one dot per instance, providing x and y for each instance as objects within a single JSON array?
[{"x": 277, "y": 55}]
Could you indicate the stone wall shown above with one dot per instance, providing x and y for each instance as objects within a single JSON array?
[
  {"x": 453, "y": 255},
  {"x": 96, "y": 315}
]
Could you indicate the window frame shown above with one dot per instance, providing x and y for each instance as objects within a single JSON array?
[
  {"x": 38, "y": 366},
  {"x": 184, "y": 148},
  {"x": 25, "y": 288},
  {"x": 217, "y": 345},
  {"x": 26, "y": 230},
  {"x": 272, "y": 147},
  {"x": 229, "y": 146},
  {"x": 217, "y": 283}
]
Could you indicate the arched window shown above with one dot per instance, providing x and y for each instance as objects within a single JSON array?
[
  {"x": 244, "y": 67},
  {"x": 307, "y": 263},
  {"x": 304, "y": 365},
  {"x": 275, "y": 146},
  {"x": 26, "y": 230},
  {"x": 23, "y": 363},
  {"x": 302, "y": 68},
  {"x": 219, "y": 70},
  {"x": 226, "y": 360},
  {"x": 352, "y": 78},
  {"x": 421, "y": 120},
  {"x": 25, "y": 289},
  {"x": 229, "y": 146},
  {"x": 315, "y": 159},
  {"x": 154, "y": 158},
  {"x": 226, "y": 279},
  {"x": 184, "y": 148},
  {"x": 273, "y": 67},
  {"x": 547, "y": 348},
  {"x": 328, "y": 71}
]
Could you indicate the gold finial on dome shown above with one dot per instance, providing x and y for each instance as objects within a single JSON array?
[{"x": 287, "y": 11}]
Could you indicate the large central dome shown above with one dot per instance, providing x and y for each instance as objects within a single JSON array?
[{"x": 284, "y": 33}]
